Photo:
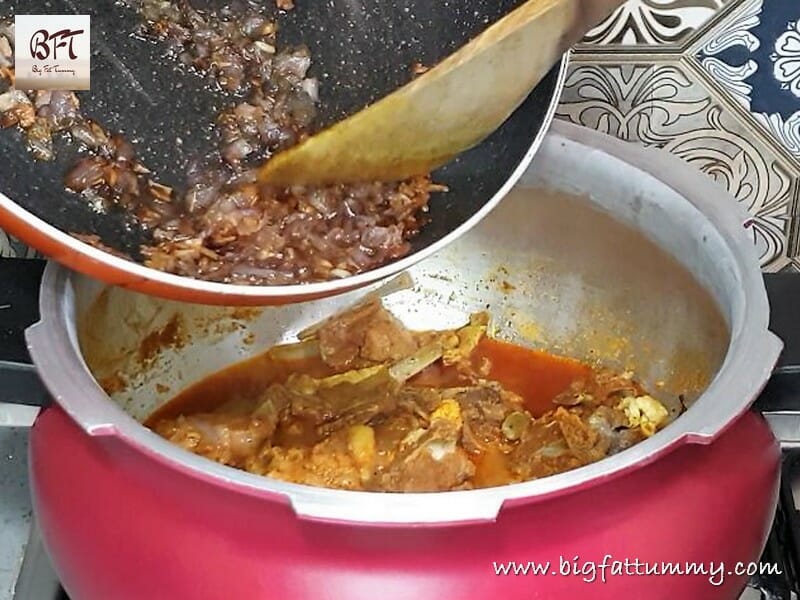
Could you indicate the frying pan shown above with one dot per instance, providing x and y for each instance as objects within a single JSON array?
[{"x": 361, "y": 51}]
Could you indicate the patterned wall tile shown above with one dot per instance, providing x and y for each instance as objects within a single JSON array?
[
  {"x": 716, "y": 82},
  {"x": 755, "y": 57},
  {"x": 792, "y": 267},
  {"x": 661, "y": 103},
  {"x": 653, "y": 22}
]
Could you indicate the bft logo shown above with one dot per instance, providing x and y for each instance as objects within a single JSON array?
[
  {"x": 45, "y": 44},
  {"x": 52, "y": 52}
]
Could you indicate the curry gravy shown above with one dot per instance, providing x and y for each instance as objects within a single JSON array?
[{"x": 536, "y": 376}]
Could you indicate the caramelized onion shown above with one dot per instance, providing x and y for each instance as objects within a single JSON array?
[{"x": 223, "y": 225}]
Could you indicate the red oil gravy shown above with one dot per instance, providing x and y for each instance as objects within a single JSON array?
[
  {"x": 536, "y": 376},
  {"x": 237, "y": 387}
]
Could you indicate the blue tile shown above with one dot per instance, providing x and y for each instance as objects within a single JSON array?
[
  {"x": 771, "y": 96},
  {"x": 756, "y": 58},
  {"x": 776, "y": 20}
]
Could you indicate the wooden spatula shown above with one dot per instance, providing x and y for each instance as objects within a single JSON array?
[{"x": 447, "y": 110}]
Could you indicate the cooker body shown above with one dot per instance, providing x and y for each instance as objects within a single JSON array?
[
  {"x": 603, "y": 252},
  {"x": 120, "y": 525}
]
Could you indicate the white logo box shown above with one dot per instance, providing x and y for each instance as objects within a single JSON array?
[{"x": 52, "y": 52}]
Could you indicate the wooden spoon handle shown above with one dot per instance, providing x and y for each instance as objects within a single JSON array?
[{"x": 447, "y": 110}]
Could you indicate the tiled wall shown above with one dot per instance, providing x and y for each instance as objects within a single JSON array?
[{"x": 716, "y": 82}]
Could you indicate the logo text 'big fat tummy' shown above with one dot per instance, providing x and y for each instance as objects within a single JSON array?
[{"x": 52, "y": 52}]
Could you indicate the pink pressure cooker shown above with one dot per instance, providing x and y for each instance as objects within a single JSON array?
[{"x": 612, "y": 251}]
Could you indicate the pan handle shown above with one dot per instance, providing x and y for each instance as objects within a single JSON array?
[
  {"x": 785, "y": 427},
  {"x": 18, "y": 415},
  {"x": 779, "y": 403},
  {"x": 22, "y": 393}
]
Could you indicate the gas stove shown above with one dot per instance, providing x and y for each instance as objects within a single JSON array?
[{"x": 25, "y": 570}]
